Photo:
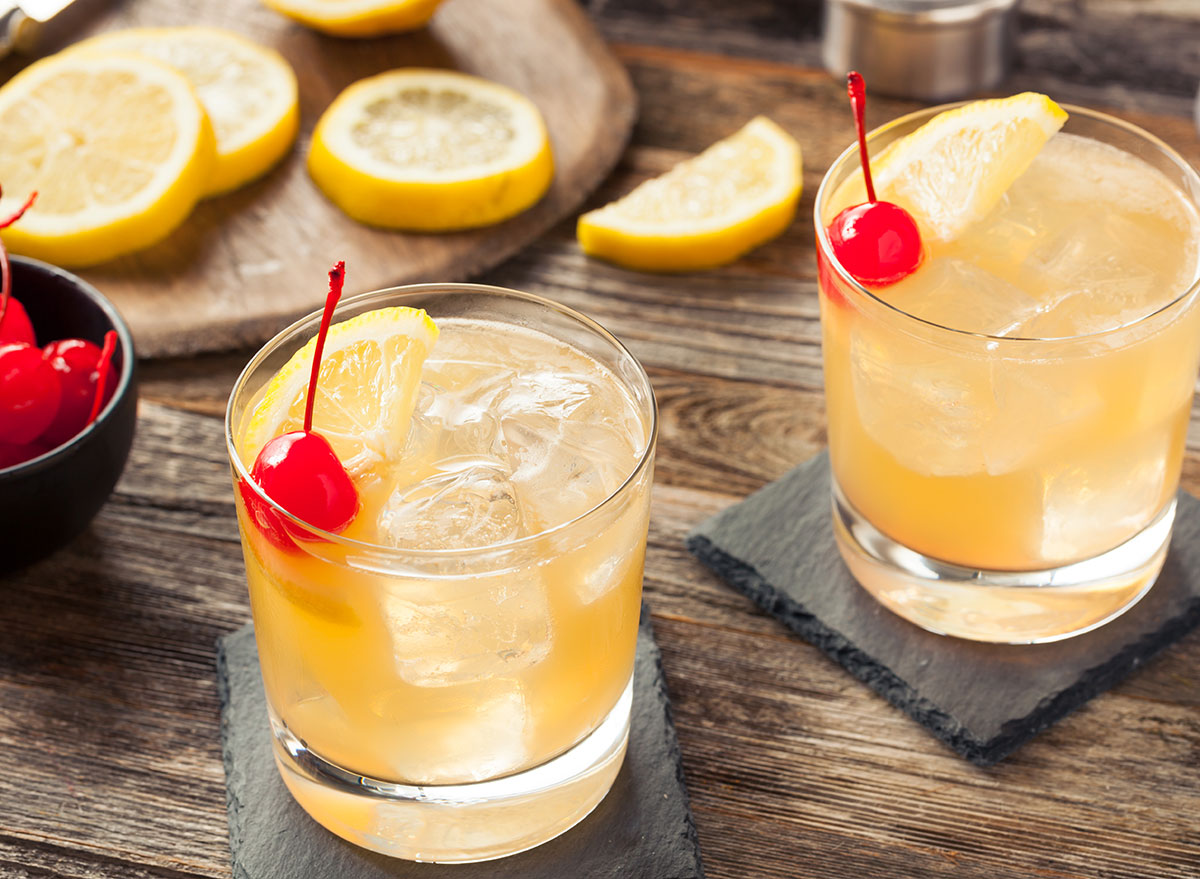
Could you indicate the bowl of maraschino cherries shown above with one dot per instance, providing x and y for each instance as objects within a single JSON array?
[{"x": 68, "y": 404}]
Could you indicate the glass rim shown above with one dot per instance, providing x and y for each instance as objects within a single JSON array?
[
  {"x": 822, "y": 234},
  {"x": 645, "y": 455}
]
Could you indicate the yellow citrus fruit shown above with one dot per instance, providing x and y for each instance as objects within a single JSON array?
[
  {"x": 248, "y": 91},
  {"x": 358, "y": 18},
  {"x": 707, "y": 210},
  {"x": 117, "y": 146},
  {"x": 431, "y": 150},
  {"x": 366, "y": 389},
  {"x": 954, "y": 169}
]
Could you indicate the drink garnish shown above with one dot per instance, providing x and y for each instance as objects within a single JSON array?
[
  {"x": 299, "y": 470},
  {"x": 877, "y": 241}
]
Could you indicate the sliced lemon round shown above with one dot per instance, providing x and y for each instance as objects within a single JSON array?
[
  {"x": 248, "y": 91},
  {"x": 366, "y": 390},
  {"x": 117, "y": 146},
  {"x": 358, "y": 18},
  {"x": 431, "y": 150},
  {"x": 707, "y": 210},
  {"x": 954, "y": 169}
]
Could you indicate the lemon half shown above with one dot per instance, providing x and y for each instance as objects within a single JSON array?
[
  {"x": 358, "y": 18},
  {"x": 954, "y": 169},
  {"x": 248, "y": 91},
  {"x": 117, "y": 146},
  {"x": 366, "y": 389},
  {"x": 707, "y": 210},
  {"x": 431, "y": 150}
]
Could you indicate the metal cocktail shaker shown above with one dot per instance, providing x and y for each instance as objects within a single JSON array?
[{"x": 930, "y": 50}]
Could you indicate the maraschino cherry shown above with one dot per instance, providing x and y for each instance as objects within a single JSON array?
[
  {"x": 15, "y": 325},
  {"x": 878, "y": 241},
  {"x": 78, "y": 363},
  {"x": 300, "y": 470},
  {"x": 29, "y": 393}
]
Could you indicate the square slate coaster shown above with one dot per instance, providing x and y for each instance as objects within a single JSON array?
[
  {"x": 983, "y": 700},
  {"x": 643, "y": 828}
]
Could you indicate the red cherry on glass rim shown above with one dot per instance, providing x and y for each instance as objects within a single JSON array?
[
  {"x": 877, "y": 242},
  {"x": 76, "y": 361},
  {"x": 29, "y": 393},
  {"x": 300, "y": 471}
]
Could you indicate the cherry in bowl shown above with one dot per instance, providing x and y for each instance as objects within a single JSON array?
[{"x": 50, "y": 492}]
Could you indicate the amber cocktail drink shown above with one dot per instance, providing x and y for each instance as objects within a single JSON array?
[
  {"x": 449, "y": 677},
  {"x": 1007, "y": 422}
]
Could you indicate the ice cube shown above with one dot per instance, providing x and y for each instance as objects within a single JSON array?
[
  {"x": 1096, "y": 275},
  {"x": 549, "y": 393},
  {"x": 1042, "y": 405},
  {"x": 562, "y": 469},
  {"x": 1096, "y": 503},
  {"x": 928, "y": 408},
  {"x": 467, "y": 502},
  {"x": 956, "y": 294},
  {"x": 480, "y": 732},
  {"x": 491, "y": 627}
]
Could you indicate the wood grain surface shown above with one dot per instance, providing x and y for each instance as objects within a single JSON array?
[
  {"x": 110, "y": 758},
  {"x": 244, "y": 265}
]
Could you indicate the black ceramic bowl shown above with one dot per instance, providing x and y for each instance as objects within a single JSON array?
[{"x": 47, "y": 501}]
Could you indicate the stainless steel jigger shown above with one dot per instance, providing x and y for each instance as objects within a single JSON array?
[{"x": 930, "y": 50}]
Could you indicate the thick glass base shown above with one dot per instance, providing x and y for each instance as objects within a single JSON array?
[
  {"x": 1011, "y": 607},
  {"x": 458, "y": 823}
]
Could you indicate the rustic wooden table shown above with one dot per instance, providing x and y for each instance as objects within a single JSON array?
[{"x": 109, "y": 742}]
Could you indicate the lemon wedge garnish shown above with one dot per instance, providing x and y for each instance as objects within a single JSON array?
[
  {"x": 117, "y": 146},
  {"x": 431, "y": 150},
  {"x": 366, "y": 389},
  {"x": 954, "y": 169},
  {"x": 707, "y": 210},
  {"x": 248, "y": 91},
  {"x": 358, "y": 18}
]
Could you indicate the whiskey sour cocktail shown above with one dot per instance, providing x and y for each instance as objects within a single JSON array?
[
  {"x": 449, "y": 675},
  {"x": 1007, "y": 417}
]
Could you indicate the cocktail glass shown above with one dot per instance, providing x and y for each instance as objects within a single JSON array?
[
  {"x": 1015, "y": 484},
  {"x": 450, "y": 698}
]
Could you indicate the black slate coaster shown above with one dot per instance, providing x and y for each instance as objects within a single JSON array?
[
  {"x": 643, "y": 828},
  {"x": 983, "y": 700}
]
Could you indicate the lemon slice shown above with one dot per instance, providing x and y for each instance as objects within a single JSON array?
[
  {"x": 117, "y": 147},
  {"x": 954, "y": 169},
  {"x": 707, "y": 210},
  {"x": 431, "y": 150},
  {"x": 248, "y": 91},
  {"x": 358, "y": 18},
  {"x": 366, "y": 389}
]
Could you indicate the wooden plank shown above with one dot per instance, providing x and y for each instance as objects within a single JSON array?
[{"x": 244, "y": 264}]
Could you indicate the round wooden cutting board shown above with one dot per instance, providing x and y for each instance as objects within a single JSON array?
[{"x": 246, "y": 263}]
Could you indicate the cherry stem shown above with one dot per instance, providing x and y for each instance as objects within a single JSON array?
[
  {"x": 857, "y": 90},
  {"x": 5, "y": 265},
  {"x": 337, "y": 277},
  {"x": 102, "y": 368}
]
